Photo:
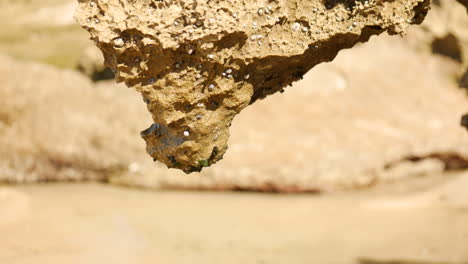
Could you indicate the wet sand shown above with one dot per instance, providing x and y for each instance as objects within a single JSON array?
[{"x": 93, "y": 223}]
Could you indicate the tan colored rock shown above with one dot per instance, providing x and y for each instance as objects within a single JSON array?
[
  {"x": 56, "y": 125},
  {"x": 199, "y": 63},
  {"x": 444, "y": 32},
  {"x": 394, "y": 117},
  {"x": 340, "y": 128}
]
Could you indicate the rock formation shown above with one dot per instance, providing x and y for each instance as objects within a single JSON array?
[
  {"x": 367, "y": 123},
  {"x": 199, "y": 63},
  {"x": 444, "y": 32},
  {"x": 65, "y": 127},
  {"x": 345, "y": 126}
]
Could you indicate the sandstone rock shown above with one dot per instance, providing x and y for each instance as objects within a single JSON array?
[
  {"x": 444, "y": 32},
  {"x": 394, "y": 117},
  {"x": 449, "y": 46},
  {"x": 199, "y": 63},
  {"x": 347, "y": 125},
  {"x": 56, "y": 125}
]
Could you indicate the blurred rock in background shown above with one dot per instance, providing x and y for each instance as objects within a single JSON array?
[
  {"x": 384, "y": 115},
  {"x": 464, "y": 80},
  {"x": 347, "y": 125},
  {"x": 91, "y": 64},
  {"x": 58, "y": 125},
  {"x": 444, "y": 32},
  {"x": 359, "y": 121},
  {"x": 464, "y": 121}
]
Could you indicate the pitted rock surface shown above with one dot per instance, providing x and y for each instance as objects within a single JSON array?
[{"x": 199, "y": 63}]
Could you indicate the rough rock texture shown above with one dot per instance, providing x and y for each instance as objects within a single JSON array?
[
  {"x": 359, "y": 119},
  {"x": 347, "y": 125},
  {"x": 199, "y": 63}
]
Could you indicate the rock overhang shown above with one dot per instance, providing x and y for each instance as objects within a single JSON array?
[{"x": 197, "y": 64}]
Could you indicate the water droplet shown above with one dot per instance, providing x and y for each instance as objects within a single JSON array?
[
  {"x": 296, "y": 26},
  {"x": 118, "y": 42}
]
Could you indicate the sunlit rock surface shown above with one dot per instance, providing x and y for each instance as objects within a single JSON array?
[{"x": 199, "y": 63}]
